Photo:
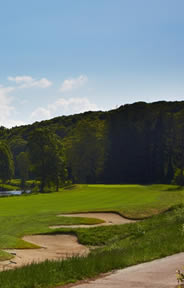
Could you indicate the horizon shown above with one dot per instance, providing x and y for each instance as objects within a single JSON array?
[
  {"x": 70, "y": 57},
  {"x": 94, "y": 111}
]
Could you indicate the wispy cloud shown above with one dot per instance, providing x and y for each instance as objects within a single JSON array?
[
  {"x": 41, "y": 113},
  {"x": 63, "y": 107},
  {"x": 73, "y": 83},
  {"x": 6, "y": 107},
  {"x": 5, "y": 103},
  {"x": 73, "y": 105},
  {"x": 28, "y": 82}
]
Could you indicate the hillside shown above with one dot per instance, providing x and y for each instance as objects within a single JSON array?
[{"x": 136, "y": 143}]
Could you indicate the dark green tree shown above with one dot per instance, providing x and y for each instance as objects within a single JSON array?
[
  {"x": 23, "y": 168},
  {"x": 6, "y": 163},
  {"x": 17, "y": 145},
  {"x": 85, "y": 151},
  {"x": 179, "y": 149},
  {"x": 47, "y": 159}
]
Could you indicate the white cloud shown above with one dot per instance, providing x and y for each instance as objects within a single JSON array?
[
  {"x": 5, "y": 102},
  {"x": 73, "y": 83},
  {"x": 73, "y": 105},
  {"x": 12, "y": 123},
  {"x": 6, "y": 108},
  {"x": 28, "y": 82},
  {"x": 63, "y": 107},
  {"x": 41, "y": 113}
]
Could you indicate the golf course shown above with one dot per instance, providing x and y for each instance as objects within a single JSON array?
[
  {"x": 148, "y": 224},
  {"x": 92, "y": 144}
]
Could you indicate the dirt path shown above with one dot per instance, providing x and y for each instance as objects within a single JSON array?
[
  {"x": 155, "y": 274},
  {"x": 109, "y": 218},
  {"x": 55, "y": 247}
]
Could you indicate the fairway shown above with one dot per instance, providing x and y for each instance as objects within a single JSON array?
[
  {"x": 130, "y": 200},
  {"x": 142, "y": 241},
  {"x": 32, "y": 214}
]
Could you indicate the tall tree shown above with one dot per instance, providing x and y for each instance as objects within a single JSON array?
[
  {"x": 85, "y": 151},
  {"x": 179, "y": 148},
  {"x": 6, "y": 163},
  {"x": 23, "y": 168},
  {"x": 46, "y": 158},
  {"x": 158, "y": 152},
  {"x": 17, "y": 145}
]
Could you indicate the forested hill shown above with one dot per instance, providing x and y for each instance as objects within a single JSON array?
[{"x": 136, "y": 143}]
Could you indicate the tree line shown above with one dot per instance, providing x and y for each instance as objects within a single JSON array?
[
  {"x": 42, "y": 159},
  {"x": 136, "y": 143}
]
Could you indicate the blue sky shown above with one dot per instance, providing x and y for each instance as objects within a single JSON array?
[{"x": 59, "y": 57}]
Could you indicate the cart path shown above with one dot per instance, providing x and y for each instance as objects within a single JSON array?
[{"x": 159, "y": 273}]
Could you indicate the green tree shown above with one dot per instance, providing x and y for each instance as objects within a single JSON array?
[
  {"x": 6, "y": 163},
  {"x": 23, "y": 168},
  {"x": 85, "y": 151},
  {"x": 179, "y": 149},
  {"x": 17, "y": 145},
  {"x": 47, "y": 159}
]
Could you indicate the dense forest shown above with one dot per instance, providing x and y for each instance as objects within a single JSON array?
[{"x": 136, "y": 143}]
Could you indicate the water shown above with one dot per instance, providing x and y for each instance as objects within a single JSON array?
[{"x": 13, "y": 192}]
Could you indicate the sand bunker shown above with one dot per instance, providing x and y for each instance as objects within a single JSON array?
[
  {"x": 109, "y": 218},
  {"x": 54, "y": 247}
]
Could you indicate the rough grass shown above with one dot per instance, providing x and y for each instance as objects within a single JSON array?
[
  {"x": 32, "y": 214},
  {"x": 122, "y": 246},
  {"x": 13, "y": 228}
]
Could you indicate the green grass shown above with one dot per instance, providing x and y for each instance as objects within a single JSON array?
[
  {"x": 14, "y": 184},
  {"x": 32, "y": 214},
  {"x": 121, "y": 246},
  {"x": 8, "y": 187},
  {"x": 131, "y": 200}
]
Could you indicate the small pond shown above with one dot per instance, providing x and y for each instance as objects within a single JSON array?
[{"x": 13, "y": 192}]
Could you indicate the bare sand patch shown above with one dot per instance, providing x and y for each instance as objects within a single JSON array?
[
  {"x": 53, "y": 247},
  {"x": 108, "y": 218}
]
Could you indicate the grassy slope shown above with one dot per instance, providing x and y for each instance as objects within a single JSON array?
[
  {"x": 156, "y": 237},
  {"x": 123, "y": 245},
  {"x": 34, "y": 213}
]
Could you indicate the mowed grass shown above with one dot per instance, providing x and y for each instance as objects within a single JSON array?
[
  {"x": 33, "y": 214},
  {"x": 134, "y": 201},
  {"x": 119, "y": 246}
]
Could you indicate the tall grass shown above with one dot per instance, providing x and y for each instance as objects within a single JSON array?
[{"x": 133, "y": 243}]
